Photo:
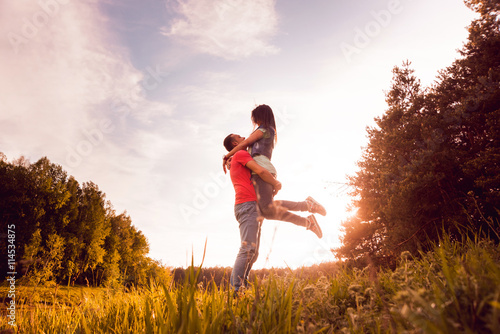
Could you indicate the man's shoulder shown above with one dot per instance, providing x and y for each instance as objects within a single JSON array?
[
  {"x": 242, "y": 154},
  {"x": 241, "y": 158}
]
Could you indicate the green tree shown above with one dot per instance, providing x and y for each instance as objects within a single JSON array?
[
  {"x": 72, "y": 233},
  {"x": 140, "y": 248},
  {"x": 17, "y": 198},
  {"x": 132, "y": 248},
  {"x": 45, "y": 261},
  {"x": 68, "y": 232},
  {"x": 111, "y": 268},
  {"x": 389, "y": 178},
  {"x": 432, "y": 162},
  {"x": 93, "y": 229},
  {"x": 32, "y": 249},
  {"x": 475, "y": 79}
]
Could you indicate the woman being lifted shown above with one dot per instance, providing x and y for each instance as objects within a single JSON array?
[{"x": 260, "y": 145}]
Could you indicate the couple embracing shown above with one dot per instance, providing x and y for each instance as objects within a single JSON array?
[{"x": 255, "y": 184}]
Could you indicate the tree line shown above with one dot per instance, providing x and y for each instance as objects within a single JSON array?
[
  {"x": 66, "y": 232},
  {"x": 432, "y": 163}
]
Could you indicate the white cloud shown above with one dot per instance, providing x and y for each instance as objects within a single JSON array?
[
  {"x": 63, "y": 74},
  {"x": 69, "y": 91},
  {"x": 229, "y": 29}
]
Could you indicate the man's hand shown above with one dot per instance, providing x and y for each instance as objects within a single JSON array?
[
  {"x": 276, "y": 187},
  {"x": 264, "y": 174}
]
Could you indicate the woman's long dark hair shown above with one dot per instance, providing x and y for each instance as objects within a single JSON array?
[{"x": 264, "y": 116}]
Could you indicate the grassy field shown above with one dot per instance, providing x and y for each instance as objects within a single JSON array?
[{"x": 453, "y": 289}]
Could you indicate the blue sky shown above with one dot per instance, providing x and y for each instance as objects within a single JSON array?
[{"x": 137, "y": 97}]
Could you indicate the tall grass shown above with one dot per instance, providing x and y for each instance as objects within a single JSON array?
[{"x": 453, "y": 289}]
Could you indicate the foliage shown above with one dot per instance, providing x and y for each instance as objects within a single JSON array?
[
  {"x": 69, "y": 232},
  {"x": 432, "y": 162},
  {"x": 454, "y": 288}
]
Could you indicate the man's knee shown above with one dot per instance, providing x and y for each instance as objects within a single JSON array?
[
  {"x": 248, "y": 247},
  {"x": 248, "y": 250}
]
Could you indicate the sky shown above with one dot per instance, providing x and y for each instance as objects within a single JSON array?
[{"x": 137, "y": 97}]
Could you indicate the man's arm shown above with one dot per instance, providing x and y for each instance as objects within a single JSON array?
[{"x": 264, "y": 174}]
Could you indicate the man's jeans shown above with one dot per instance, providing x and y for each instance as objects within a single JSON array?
[{"x": 246, "y": 215}]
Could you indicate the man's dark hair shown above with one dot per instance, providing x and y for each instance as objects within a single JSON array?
[{"x": 229, "y": 143}]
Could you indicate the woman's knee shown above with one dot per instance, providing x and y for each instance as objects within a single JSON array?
[
  {"x": 268, "y": 210},
  {"x": 273, "y": 210}
]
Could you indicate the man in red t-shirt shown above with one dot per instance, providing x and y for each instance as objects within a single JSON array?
[{"x": 245, "y": 208}]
